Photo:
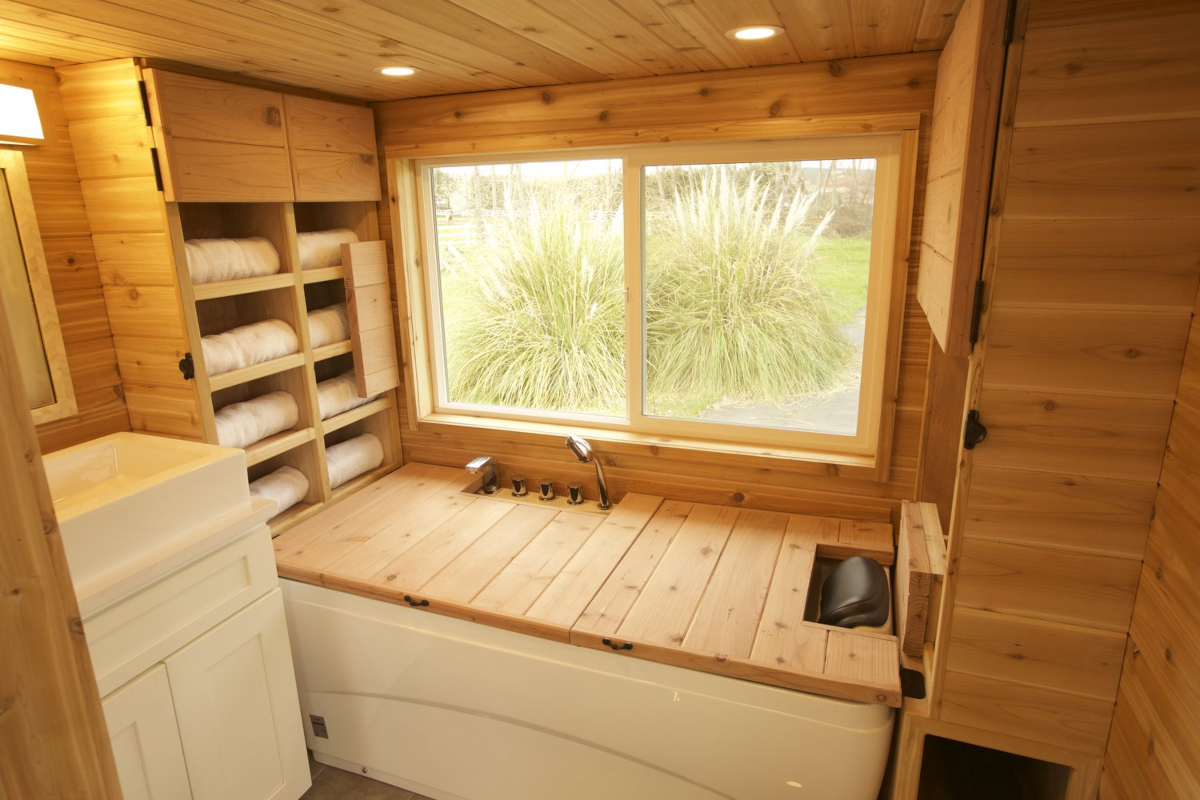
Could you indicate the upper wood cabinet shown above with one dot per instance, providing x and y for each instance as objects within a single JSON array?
[
  {"x": 218, "y": 141},
  {"x": 223, "y": 142},
  {"x": 333, "y": 150}
]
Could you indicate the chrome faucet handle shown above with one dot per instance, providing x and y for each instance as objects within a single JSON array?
[
  {"x": 575, "y": 494},
  {"x": 546, "y": 489},
  {"x": 519, "y": 489}
]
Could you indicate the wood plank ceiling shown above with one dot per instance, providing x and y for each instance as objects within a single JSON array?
[{"x": 464, "y": 45}]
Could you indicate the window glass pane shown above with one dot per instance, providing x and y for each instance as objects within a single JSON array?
[
  {"x": 531, "y": 276},
  {"x": 755, "y": 286}
]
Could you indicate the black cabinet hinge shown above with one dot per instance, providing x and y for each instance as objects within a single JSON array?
[
  {"x": 912, "y": 683},
  {"x": 973, "y": 432},
  {"x": 976, "y": 311},
  {"x": 157, "y": 168},
  {"x": 187, "y": 367},
  {"x": 145, "y": 101}
]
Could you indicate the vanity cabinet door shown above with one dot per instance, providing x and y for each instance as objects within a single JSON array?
[
  {"x": 239, "y": 717},
  {"x": 145, "y": 739}
]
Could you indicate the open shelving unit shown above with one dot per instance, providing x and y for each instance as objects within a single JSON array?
[{"x": 290, "y": 295}]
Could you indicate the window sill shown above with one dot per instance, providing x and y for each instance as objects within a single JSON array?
[{"x": 615, "y": 443}]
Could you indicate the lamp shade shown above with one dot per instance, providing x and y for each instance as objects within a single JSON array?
[{"x": 19, "y": 120}]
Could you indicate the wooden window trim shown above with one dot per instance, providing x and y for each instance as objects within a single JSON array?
[{"x": 413, "y": 265}]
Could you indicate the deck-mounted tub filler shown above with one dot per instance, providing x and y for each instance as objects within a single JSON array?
[{"x": 661, "y": 650}]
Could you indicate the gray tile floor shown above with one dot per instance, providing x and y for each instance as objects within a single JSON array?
[{"x": 331, "y": 783}]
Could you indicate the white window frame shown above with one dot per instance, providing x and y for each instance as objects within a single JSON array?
[{"x": 885, "y": 270}]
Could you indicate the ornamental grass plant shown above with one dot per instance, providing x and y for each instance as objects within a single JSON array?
[{"x": 734, "y": 309}]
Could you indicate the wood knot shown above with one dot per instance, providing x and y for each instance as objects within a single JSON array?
[
  {"x": 133, "y": 294},
  {"x": 76, "y": 625},
  {"x": 5, "y": 705},
  {"x": 1158, "y": 573},
  {"x": 913, "y": 83},
  {"x": 602, "y": 117},
  {"x": 704, "y": 92},
  {"x": 1168, "y": 654},
  {"x": 1016, "y": 656},
  {"x": 1073, "y": 68},
  {"x": 29, "y": 456},
  {"x": 367, "y": 159},
  {"x": 1150, "y": 747},
  {"x": 835, "y": 68},
  {"x": 547, "y": 98},
  {"x": 71, "y": 260},
  {"x": 881, "y": 698},
  {"x": 48, "y": 526},
  {"x": 653, "y": 449},
  {"x": 776, "y": 107},
  {"x": 15, "y": 592},
  {"x": 1049, "y": 405},
  {"x": 391, "y": 577},
  {"x": 738, "y": 497},
  {"x": 1133, "y": 352},
  {"x": 458, "y": 115}
]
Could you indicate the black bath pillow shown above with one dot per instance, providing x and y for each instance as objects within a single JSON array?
[{"x": 855, "y": 593}]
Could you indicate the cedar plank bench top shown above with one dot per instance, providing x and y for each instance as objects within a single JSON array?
[{"x": 705, "y": 587}]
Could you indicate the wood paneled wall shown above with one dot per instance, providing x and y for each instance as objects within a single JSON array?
[
  {"x": 54, "y": 183},
  {"x": 53, "y": 741},
  {"x": 1154, "y": 745},
  {"x": 834, "y": 96},
  {"x": 1092, "y": 266}
]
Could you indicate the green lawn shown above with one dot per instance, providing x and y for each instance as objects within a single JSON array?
[{"x": 841, "y": 266}]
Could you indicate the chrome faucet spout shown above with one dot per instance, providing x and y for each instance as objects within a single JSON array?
[
  {"x": 580, "y": 448},
  {"x": 486, "y": 465}
]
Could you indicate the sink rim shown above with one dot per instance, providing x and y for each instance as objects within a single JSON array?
[{"x": 199, "y": 455}]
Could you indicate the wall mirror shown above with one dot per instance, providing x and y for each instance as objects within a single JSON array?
[{"x": 28, "y": 298}]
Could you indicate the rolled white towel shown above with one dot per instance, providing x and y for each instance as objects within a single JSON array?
[
  {"x": 286, "y": 486},
  {"x": 328, "y": 325},
  {"x": 248, "y": 345},
  {"x": 339, "y": 395},
  {"x": 243, "y": 424},
  {"x": 211, "y": 260},
  {"x": 320, "y": 249},
  {"x": 352, "y": 458}
]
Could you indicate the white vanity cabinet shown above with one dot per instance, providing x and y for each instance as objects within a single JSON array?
[
  {"x": 196, "y": 680},
  {"x": 145, "y": 738}
]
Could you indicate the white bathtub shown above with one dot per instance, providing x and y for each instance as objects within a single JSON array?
[{"x": 455, "y": 709}]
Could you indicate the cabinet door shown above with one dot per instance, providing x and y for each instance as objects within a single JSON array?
[
  {"x": 145, "y": 739},
  {"x": 218, "y": 141},
  {"x": 333, "y": 150},
  {"x": 239, "y": 716}
]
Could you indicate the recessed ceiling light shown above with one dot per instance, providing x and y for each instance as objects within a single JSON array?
[
  {"x": 753, "y": 32},
  {"x": 398, "y": 71}
]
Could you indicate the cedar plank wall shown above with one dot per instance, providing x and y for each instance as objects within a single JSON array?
[
  {"x": 1092, "y": 268},
  {"x": 702, "y": 106},
  {"x": 1154, "y": 746},
  {"x": 54, "y": 184}
]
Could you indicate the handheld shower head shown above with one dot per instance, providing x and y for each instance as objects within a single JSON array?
[
  {"x": 583, "y": 451},
  {"x": 579, "y": 448}
]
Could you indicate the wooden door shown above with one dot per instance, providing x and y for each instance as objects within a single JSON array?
[
  {"x": 333, "y": 150},
  {"x": 239, "y": 717},
  {"x": 218, "y": 141},
  {"x": 145, "y": 739}
]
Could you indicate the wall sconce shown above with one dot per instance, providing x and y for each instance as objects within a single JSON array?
[{"x": 19, "y": 120}]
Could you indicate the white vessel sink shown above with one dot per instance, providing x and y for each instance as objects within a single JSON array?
[{"x": 131, "y": 507}]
